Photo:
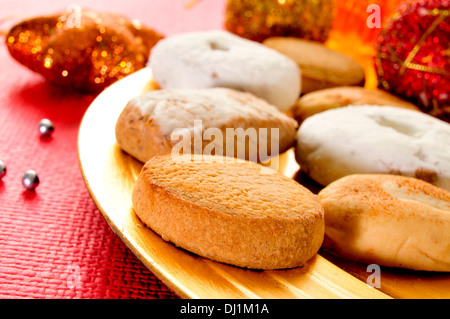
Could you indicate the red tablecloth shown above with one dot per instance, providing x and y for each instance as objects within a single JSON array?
[{"x": 54, "y": 243}]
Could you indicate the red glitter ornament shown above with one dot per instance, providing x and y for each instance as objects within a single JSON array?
[
  {"x": 413, "y": 55},
  {"x": 81, "y": 49}
]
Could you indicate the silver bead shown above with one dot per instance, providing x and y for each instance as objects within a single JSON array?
[
  {"x": 46, "y": 127},
  {"x": 30, "y": 180},
  {"x": 2, "y": 169}
]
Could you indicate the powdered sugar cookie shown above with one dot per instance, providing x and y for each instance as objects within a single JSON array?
[
  {"x": 374, "y": 139},
  {"x": 220, "y": 59},
  {"x": 204, "y": 121}
]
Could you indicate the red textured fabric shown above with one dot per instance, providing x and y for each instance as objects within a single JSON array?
[{"x": 54, "y": 243}]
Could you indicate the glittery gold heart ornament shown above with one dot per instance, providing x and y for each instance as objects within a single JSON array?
[{"x": 82, "y": 49}]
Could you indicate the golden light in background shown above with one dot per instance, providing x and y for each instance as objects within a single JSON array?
[{"x": 258, "y": 20}]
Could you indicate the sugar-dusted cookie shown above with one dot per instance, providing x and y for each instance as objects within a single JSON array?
[
  {"x": 213, "y": 121},
  {"x": 197, "y": 60},
  {"x": 374, "y": 139}
]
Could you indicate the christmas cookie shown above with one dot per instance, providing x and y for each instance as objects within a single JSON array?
[
  {"x": 322, "y": 100},
  {"x": 374, "y": 139},
  {"x": 388, "y": 220},
  {"x": 207, "y": 120},
  {"x": 321, "y": 66},
  {"x": 221, "y": 59},
  {"x": 230, "y": 212}
]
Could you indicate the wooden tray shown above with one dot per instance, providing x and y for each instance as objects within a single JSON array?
[{"x": 110, "y": 174}]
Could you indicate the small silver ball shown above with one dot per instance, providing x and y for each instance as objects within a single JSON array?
[
  {"x": 30, "y": 180},
  {"x": 2, "y": 169},
  {"x": 46, "y": 127}
]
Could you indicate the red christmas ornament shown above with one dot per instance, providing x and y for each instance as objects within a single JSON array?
[
  {"x": 81, "y": 49},
  {"x": 413, "y": 55}
]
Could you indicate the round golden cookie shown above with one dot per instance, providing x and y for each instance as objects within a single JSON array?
[
  {"x": 322, "y": 100},
  {"x": 230, "y": 210},
  {"x": 321, "y": 67},
  {"x": 388, "y": 220}
]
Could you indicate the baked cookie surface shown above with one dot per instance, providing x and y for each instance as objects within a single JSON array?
[
  {"x": 388, "y": 220},
  {"x": 234, "y": 212},
  {"x": 326, "y": 99},
  {"x": 321, "y": 67}
]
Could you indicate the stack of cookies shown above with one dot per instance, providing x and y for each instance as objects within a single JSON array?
[{"x": 225, "y": 105}]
